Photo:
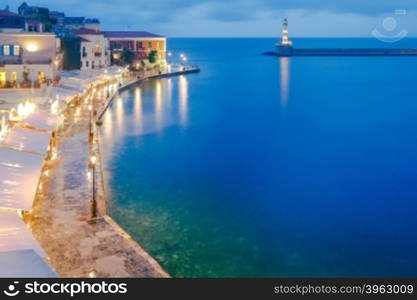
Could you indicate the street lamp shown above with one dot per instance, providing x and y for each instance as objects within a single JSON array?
[
  {"x": 93, "y": 160},
  {"x": 93, "y": 204},
  {"x": 108, "y": 88},
  {"x": 183, "y": 59}
]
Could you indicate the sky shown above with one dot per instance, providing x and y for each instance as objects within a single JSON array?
[{"x": 244, "y": 18}]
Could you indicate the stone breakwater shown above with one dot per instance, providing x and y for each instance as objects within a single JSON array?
[
  {"x": 290, "y": 51},
  {"x": 76, "y": 244}
]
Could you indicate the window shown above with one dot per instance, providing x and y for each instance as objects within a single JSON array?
[
  {"x": 150, "y": 45},
  {"x": 86, "y": 63},
  {"x": 13, "y": 77},
  {"x": 16, "y": 50},
  {"x": 6, "y": 50},
  {"x": 97, "y": 50}
]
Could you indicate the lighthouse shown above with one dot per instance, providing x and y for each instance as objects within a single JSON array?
[
  {"x": 285, "y": 41},
  {"x": 284, "y": 48}
]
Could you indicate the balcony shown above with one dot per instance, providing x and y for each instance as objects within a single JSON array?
[
  {"x": 10, "y": 60},
  {"x": 38, "y": 61}
]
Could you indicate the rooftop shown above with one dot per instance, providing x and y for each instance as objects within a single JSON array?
[
  {"x": 83, "y": 31},
  {"x": 33, "y": 21},
  {"x": 74, "y": 20},
  {"x": 130, "y": 34},
  {"x": 92, "y": 21},
  {"x": 7, "y": 13}
]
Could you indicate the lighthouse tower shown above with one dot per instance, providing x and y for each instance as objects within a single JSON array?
[
  {"x": 285, "y": 41},
  {"x": 284, "y": 48}
]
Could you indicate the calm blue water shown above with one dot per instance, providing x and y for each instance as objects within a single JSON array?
[{"x": 260, "y": 166}]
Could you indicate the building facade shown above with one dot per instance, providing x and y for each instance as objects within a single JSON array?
[
  {"x": 41, "y": 13},
  {"x": 34, "y": 26},
  {"x": 141, "y": 43},
  {"x": 94, "y": 49},
  {"x": 27, "y": 58},
  {"x": 93, "y": 24}
]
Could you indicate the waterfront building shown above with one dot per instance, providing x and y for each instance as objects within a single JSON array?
[
  {"x": 10, "y": 21},
  {"x": 41, "y": 13},
  {"x": 27, "y": 58},
  {"x": 141, "y": 43},
  {"x": 71, "y": 51},
  {"x": 57, "y": 17},
  {"x": 34, "y": 26},
  {"x": 93, "y": 24},
  {"x": 94, "y": 49},
  {"x": 74, "y": 22}
]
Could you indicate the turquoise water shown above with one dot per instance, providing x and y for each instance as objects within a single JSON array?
[{"x": 260, "y": 167}]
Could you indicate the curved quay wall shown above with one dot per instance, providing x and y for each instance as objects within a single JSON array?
[{"x": 77, "y": 244}]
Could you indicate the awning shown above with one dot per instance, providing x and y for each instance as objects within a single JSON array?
[
  {"x": 19, "y": 177},
  {"x": 24, "y": 264},
  {"x": 27, "y": 140},
  {"x": 20, "y": 254},
  {"x": 42, "y": 119},
  {"x": 15, "y": 235}
]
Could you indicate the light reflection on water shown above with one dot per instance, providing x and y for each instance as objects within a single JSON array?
[
  {"x": 284, "y": 80},
  {"x": 119, "y": 113},
  {"x": 138, "y": 111},
  {"x": 153, "y": 108},
  {"x": 158, "y": 106},
  {"x": 183, "y": 97},
  {"x": 217, "y": 181}
]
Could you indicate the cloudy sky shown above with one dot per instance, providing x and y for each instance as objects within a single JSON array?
[{"x": 237, "y": 18}]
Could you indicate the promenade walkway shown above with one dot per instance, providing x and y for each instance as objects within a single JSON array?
[
  {"x": 74, "y": 241},
  {"x": 76, "y": 245}
]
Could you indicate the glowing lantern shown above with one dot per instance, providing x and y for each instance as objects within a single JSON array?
[
  {"x": 4, "y": 128},
  {"x": 32, "y": 47},
  {"x": 24, "y": 110},
  {"x": 55, "y": 107}
]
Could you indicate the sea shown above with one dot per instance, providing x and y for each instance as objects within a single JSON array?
[{"x": 260, "y": 166}]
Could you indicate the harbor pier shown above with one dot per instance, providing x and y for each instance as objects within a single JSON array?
[{"x": 285, "y": 48}]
